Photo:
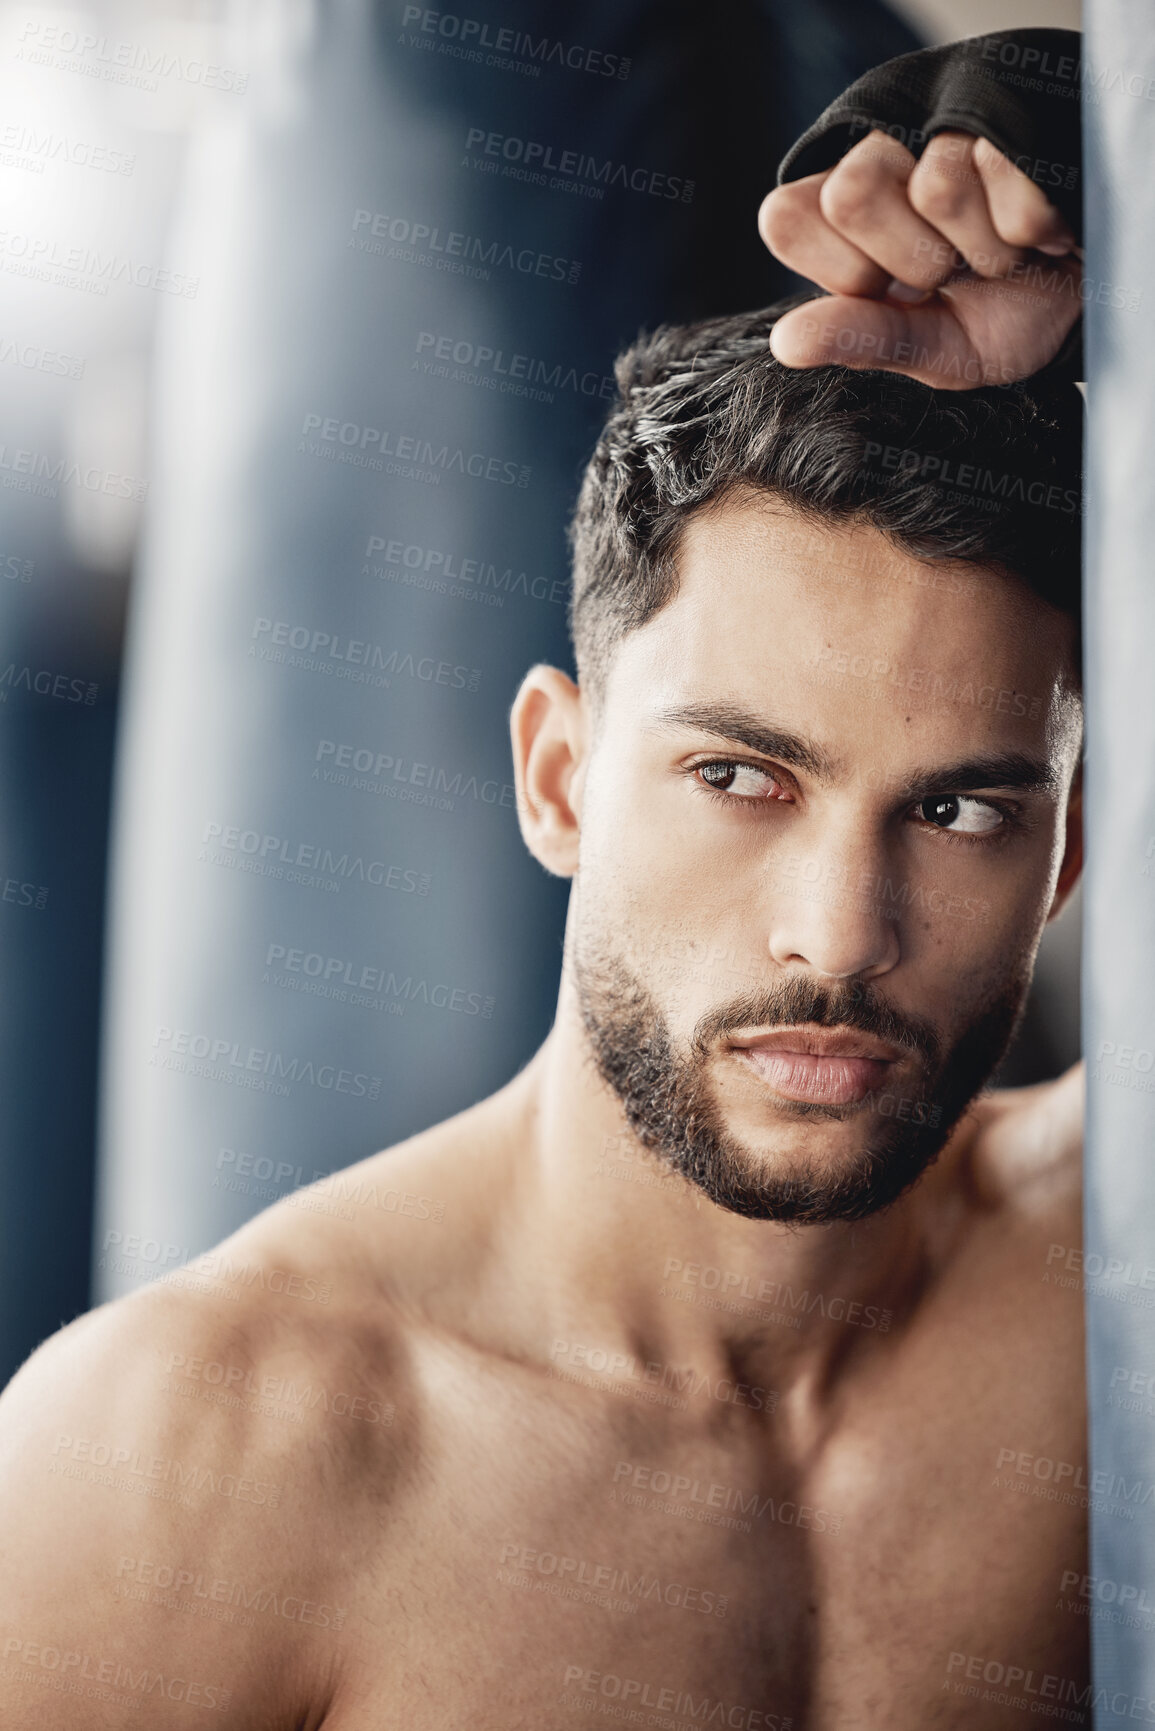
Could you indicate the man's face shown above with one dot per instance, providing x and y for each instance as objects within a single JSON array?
[{"x": 822, "y": 825}]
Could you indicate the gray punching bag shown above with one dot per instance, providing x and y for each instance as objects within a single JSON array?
[
  {"x": 1118, "y": 1263},
  {"x": 419, "y": 249}
]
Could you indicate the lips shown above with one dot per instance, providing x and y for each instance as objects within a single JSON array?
[
  {"x": 823, "y": 1066},
  {"x": 820, "y": 1043}
]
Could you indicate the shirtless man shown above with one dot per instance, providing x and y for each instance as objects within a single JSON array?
[{"x": 697, "y": 1376}]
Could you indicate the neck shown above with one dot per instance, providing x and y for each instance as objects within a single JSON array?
[{"x": 635, "y": 1267}]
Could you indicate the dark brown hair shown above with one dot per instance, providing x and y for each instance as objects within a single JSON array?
[{"x": 989, "y": 476}]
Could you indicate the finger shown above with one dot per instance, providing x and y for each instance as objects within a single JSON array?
[
  {"x": 1020, "y": 211},
  {"x": 924, "y": 343},
  {"x": 948, "y": 190},
  {"x": 864, "y": 198},
  {"x": 791, "y": 223}
]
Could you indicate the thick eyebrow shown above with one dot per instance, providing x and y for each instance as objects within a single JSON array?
[
  {"x": 1011, "y": 769},
  {"x": 738, "y": 726}
]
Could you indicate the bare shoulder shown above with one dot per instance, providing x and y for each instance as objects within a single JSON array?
[
  {"x": 125, "y": 1498},
  {"x": 1027, "y": 1149},
  {"x": 1007, "y": 1213},
  {"x": 192, "y": 1478}
]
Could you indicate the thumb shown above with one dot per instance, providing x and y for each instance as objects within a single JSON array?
[{"x": 924, "y": 342}]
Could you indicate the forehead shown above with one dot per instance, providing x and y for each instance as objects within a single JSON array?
[{"x": 832, "y": 628}]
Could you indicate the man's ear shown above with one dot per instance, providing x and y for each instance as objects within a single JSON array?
[
  {"x": 1072, "y": 866},
  {"x": 549, "y": 731}
]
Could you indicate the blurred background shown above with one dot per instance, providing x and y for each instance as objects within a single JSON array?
[{"x": 309, "y": 310}]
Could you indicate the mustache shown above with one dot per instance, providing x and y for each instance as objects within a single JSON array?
[{"x": 800, "y": 1000}]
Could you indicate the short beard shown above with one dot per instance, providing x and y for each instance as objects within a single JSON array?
[{"x": 669, "y": 1106}]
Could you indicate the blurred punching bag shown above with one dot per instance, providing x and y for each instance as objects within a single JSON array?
[{"x": 420, "y": 240}]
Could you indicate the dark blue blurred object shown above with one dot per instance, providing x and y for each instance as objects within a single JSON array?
[{"x": 319, "y": 215}]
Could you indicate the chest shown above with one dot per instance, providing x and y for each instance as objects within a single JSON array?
[{"x": 554, "y": 1558}]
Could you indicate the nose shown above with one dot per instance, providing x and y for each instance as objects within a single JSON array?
[{"x": 827, "y": 913}]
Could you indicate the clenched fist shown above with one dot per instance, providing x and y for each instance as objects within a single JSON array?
[{"x": 953, "y": 268}]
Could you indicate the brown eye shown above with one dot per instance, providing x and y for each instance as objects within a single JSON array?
[
  {"x": 717, "y": 774},
  {"x": 960, "y": 813},
  {"x": 743, "y": 780},
  {"x": 940, "y": 811}
]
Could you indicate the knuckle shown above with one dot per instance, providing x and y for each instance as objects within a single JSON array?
[
  {"x": 783, "y": 218},
  {"x": 938, "y": 195},
  {"x": 1022, "y": 227},
  {"x": 851, "y": 194},
  {"x": 880, "y": 150}
]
